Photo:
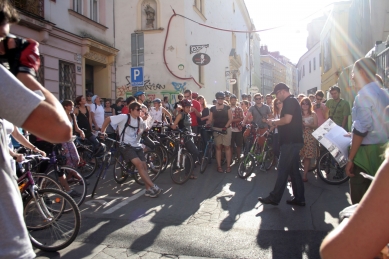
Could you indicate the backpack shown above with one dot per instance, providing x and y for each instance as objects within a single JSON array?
[{"x": 121, "y": 136}]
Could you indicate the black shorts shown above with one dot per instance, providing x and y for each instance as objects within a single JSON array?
[
  {"x": 237, "y": 139},
  {"x": 130, "y": 153}
]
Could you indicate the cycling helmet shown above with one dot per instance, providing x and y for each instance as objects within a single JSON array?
[
  {"x": 227, "y": 93},
  {"x": 139, "y": 93},
  {"x": 195, "y": 95},
  {"x": 157, "y": 100},
  {"x": 233, "y": 96},
  {"x": 185, "y": 103},
  {"x": 244, "y": 95},
  {"x": 219, "y": 95}
]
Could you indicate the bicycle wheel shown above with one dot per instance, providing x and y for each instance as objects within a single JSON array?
[
  {"x": 247, "y": 146},
  {"x": 246, "y": 167},
  {"x": 182, "y": 167},
  {"x": 88, "y": 163},
  {"x": 154, "y": 165},
  {"x": 120, "y": 174},
  {"x": 268, "y": 159},
  {"x": 49, "y": 228},
  {"x": 43, "y": 181},
  {"x": 206, "y": 158},
  {"x": 105, "y": 161},
  {"x": 161, "y": 150},
  {"x": 75, "y": 181},
  {"x": 329, "y": 171}
]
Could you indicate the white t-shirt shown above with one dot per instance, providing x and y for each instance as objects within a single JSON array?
[
  {"x": 156, "y": 115},
  {"x": 98, "y": 110},
  {"x": 132, "y": 135}
]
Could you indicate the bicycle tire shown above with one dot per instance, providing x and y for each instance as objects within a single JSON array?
[
  {"x": 206, "y": 158},
  {"x": 154, "y": 165},
  {"x": 268, "y": 159},
  {"x": 161, "y": 150},
  {"x": 120, "y": 173},
  {"x": 44, "y": 181},
  {"x": 181, "y": 174},
  {"x": 88, "y": 168},
  {"x": 103, "y": 163},
  {"x": 329, "y": 171},
  {"x": 62, "y": 228},
  {"x": 79, "y": 185},
  {"x": 246, "y": 167},
  {"x": 247, "y": 146}
]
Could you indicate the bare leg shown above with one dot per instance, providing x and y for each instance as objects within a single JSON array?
[
  {"x": 306, "y": 163},
  {"x": 227, "y": 149},
  {"x": 219, "y": 155},
  {"x": 142, "y": 170}
]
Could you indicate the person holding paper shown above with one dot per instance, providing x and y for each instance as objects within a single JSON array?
[{"x": 368, "y": 128}]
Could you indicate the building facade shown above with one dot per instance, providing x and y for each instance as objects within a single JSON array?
[
  {"x": 267, "y": 83},
  {"x": 309, "y": 71},
  {"x": 168, "y": 58},
  {"x": 76, "y": 40},
  {"x": 279, "y": 69},
  {"x": 256, "y": 72}
]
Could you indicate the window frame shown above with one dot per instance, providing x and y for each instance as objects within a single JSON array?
[
  {"x": 76, "y": 4},
  {"x": 94, "y": 3},
  {"x": 67, "y": 89},
  {"x": 137, "y": 51}
]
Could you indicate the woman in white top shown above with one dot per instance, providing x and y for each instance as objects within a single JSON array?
[{"x": 158, "y": 113}]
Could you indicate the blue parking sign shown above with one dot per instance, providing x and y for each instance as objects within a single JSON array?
[{"x": 137, "y": 76}]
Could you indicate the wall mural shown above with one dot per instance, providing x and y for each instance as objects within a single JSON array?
[{"x": 153, "y": 90}]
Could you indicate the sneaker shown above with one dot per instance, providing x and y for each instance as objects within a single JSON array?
[
  {"x": 156, "y": 189},
  {"x": 151, "y": 193},
  {"x": 74, "y": 194}
]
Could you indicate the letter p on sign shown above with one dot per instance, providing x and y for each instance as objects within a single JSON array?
[{"x": 137, "y": 76}]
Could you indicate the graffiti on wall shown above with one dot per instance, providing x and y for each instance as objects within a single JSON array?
[{"x": 154, "y": 90}]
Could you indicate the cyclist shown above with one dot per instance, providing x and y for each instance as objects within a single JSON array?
[
  {"x": 183, "y": 121},
  {"x": 42, "y": 115},
  {"x": 131, "y": 127},
  {"x": 159, "y": 113},
  {"x": 221, "y": 117}
]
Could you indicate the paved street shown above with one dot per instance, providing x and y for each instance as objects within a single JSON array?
[{"x": 215, "y": 216}]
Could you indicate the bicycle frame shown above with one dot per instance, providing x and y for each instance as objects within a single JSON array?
[{"x": 259, "y": 157}]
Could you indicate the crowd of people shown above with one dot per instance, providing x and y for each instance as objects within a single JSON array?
[{"x": 291, "y": 119}]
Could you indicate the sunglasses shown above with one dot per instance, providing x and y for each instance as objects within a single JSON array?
[
  {"x": 138, "y": 109},
  {"x": 258, "y": 99},
  {"x": 304, "y": 103}
]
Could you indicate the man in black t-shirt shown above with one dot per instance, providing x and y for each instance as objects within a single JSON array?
[{"x": 291, "y": 141}]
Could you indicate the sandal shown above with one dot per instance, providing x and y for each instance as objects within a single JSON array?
[
  {"x": 220, "y": 169},
  {"x": 228, "y": 170}
]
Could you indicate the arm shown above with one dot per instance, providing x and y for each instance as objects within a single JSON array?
[
  {"x": 229, "y": 118},
  {"x": 367, "y": 231},
  {"x": 167, "y": 113},
  {"x": 355, "y": 144},
  {"x": 283, "y": 121},
  {"x": 246, "y": 118},
  {"x": 175, "y": 123},
  {"x": 22, "y": 140},
  {"x": 105, "y": 124},
  {"x": 113, "y": 112},
  {"x": 90, "y": 118},
  {"x": 194, "y": 109},
  {"x": 77, "y": 129},
  {"x": 210, "y": 119}
]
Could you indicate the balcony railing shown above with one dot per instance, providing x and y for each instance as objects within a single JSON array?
[
  {"x": 382, "y": 61},
  {"x": 35, "y": 7}
]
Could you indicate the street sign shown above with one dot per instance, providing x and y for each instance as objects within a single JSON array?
[
  {"x": 232, "y": 81},
  {"x": 201, "y": 59},
  {"x": 137, "y": 76}
]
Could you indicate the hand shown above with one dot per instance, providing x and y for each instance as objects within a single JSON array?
[
  {"x": 224, "y": 130},
  {"x": 269, "y": 122},
  {"x": 349, "y": 169},
  {"x": 41, "y": 152},
  {"x": 102, "y": 135},
  {"x": 174, "y": 126},
  {"x": 349, "y": 134},
  {"x": 19, "y": 157},
  {"x": 82, "y": 135}
]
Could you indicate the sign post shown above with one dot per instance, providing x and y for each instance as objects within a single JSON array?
[{"x": 137, "y": 77}]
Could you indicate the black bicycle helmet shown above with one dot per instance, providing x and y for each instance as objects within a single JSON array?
[
  {"x": 227, "y": 93},
  {"x": 219, "y": 95},
  {"x": 233, "y": 96},
  {"x": 185, "y": 103}
]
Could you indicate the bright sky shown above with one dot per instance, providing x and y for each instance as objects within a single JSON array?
[{"x": 291, "y": 39}]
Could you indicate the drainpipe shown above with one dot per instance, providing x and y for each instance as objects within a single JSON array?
[{"x": 114, "y": 43}]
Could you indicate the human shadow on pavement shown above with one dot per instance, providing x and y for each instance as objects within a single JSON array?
[{"x": 296, "y": 232}]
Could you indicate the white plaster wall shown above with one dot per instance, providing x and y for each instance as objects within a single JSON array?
[
  {"x": 313, "y": 79},
  {"x": 182, "y": 34}
]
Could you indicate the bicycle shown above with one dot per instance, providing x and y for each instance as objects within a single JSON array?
[
  {"x": 329, "y": 170},
  {"x": 209, "y": 149},
  {"x": 48, "y": 226},
  {"x": 56, "y": 167},
  {"x": 256, "y": 155},
  {"x": 123, "y": 169},
  {"x": 182, "y": 164}
]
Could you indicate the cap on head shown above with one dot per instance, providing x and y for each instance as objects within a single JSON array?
[
  {"x": 233, "y": 96},
  {"x": 89, "y": 94},
  {"x": 219, "y": 95},
  {"x": 157, "y": 100},
  {"x": 280, "y": 86},
  {"x": 244, "y": 95},
  {"x": 227, "y": 93},
  {"x": 94, "y": 98},
  {"x": 139, "y": 93}
]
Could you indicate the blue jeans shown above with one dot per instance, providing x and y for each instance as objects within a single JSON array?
[{"x": 289, "y": 164}]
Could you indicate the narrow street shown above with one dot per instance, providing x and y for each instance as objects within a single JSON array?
[{"x": 215, "y": 216}]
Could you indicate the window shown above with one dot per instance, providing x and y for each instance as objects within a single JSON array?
[
  {"x": 314, "y": 63},
  {"x": 137, "y": 50},
  {"x": 309, "y": 66},
  {"x": 201, "y": 74},
  {"x": 94, "y": 10},
  {"x": 67, "y": 81},
  {"x": 77, "y": 6}
]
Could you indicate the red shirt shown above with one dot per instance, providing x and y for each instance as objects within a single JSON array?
[{"x": 197, "y": 106}]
